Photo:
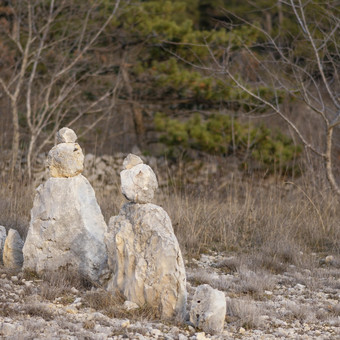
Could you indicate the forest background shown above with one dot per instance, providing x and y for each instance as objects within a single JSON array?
[{"x": 252, "y": 86}]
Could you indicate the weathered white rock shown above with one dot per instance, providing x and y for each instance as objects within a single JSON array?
[
  {"x": 66, "y": 135},
  {"x": 131, "y": 160},
  {"x": 145, "y": 259},
  {"x": 65, "y": 160},
  {"x": 66, "y": 229},
  {"x": 208, "y": 309},
  {"x": 2, "y": 240},
  {"x": 139, "y": 183},
  {"x": 12, "y": 254},
  {"x": 129, "y": 305}
]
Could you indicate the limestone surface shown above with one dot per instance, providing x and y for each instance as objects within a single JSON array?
[
  {"x": 2, "y": 240},
  {"x": 131, "y": 160},
  {"x": 12, "y": 254},
  {"x": 138, "y": 183},
  {"x": 66, "y": 135},
  {"x": 66, "y": 229},
  {"x": 145, "y": 259},
  {"x": 66, "y": 160},
  {"x": 208, "y": 309}
]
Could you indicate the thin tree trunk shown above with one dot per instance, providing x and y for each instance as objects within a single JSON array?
[
  {"x": 328, "y": 162},
  {"x": 16, "y": 135}
]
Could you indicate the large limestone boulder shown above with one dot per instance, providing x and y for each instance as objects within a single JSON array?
[
  {"x": 66, "y": 160},
  {"x": 66, "y": 229},
  {"x": 145, "y": 259},
  {"x": 12, "y": 254},
  {"x": 138, "y": 181},
  {"x": 208, "y": 309},
  {"x": 2, "y": 240}
]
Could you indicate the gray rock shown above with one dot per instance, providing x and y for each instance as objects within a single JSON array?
[
  {"x": 66, "y": 135},
  {"x": 66, "y": 229},
  {"x": 12, "y": 254},
  {"x": 208, "y": 309},
  {"x": 2, "y": 240},
  {"x": 145, "y": 259},
  {"x": 131, "y": 160}
]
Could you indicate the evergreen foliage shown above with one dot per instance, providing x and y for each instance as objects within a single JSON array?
[{"x": 222, "y": 135}]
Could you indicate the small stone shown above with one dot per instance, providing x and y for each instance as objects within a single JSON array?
[
  {"x": 329, "y": 259},
  {"x": 74, "y": 290},
  {"x": 242, "y": 330},
  {"x": 125, "y": 323},
  {"x": 66, "y": 135},
  {"x": 201, "y": 336},
  {"x": 156, "y": 333},
  {"x": 129, "y": 305},
  {"x": 14, "y": 279},
  {"x": 131, "y": 160}
]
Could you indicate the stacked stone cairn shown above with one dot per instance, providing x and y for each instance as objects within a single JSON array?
[
  {"x": 143, "y": 252},
  {"x": 67, "y": 227}
]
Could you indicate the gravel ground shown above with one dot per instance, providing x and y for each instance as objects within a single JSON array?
[{"x": 297, "y": 303}]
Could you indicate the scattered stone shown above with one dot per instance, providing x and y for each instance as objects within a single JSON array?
[
  {"x": 129, "y": 305},
  {"x": 145, "y": 259},
  {"x": 12, "y": 253},
  {"x": 208, "y": 309},
  {"x": 66, "y": 135},
  {"x": 139, "y": 182},
  {"x": 2, "y": 240},
  {"x": 65, "y": 160},
  {"x": 14, "y": 279}
]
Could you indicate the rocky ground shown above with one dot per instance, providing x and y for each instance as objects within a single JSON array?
[{"x": 300, "y": 302}]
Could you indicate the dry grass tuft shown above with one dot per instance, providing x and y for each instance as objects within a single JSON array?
[
  {"x": 243, "y": 313},
  {"x": 59, "y": 285},
  {"x": 112, "y": 306}
]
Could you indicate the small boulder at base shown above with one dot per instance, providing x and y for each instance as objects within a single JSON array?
[
  {"x": 145, "y": 259},
  {"x": 208, "y": 309},
  {"x": 12, "y": 253},
  {"x": 2, "y": 240}
]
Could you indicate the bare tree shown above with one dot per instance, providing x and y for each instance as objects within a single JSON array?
[
  {"x": 311, "y": 76},
  {"x": 47, "y": 82}
]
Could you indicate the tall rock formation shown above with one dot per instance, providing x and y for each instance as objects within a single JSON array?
[
  {"x": 143, "y": 252},
  {"x": 67, "y": 227}
]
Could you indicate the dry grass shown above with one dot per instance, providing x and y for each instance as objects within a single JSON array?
[
  {"x": 276, "y": 220},
  {"x": 243, "y": 313},
  {"x": 112, "y": 306}
]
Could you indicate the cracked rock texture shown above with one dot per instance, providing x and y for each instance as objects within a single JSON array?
[
  {"x": 208, "y": 309},
  {"x": 145, "y": 259},
  {"x": 12, "y": 253},
  {"x": 2, "y": 240},
  {"x": 66, "y": 160},
  {"x": 66, "y": 229}
]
